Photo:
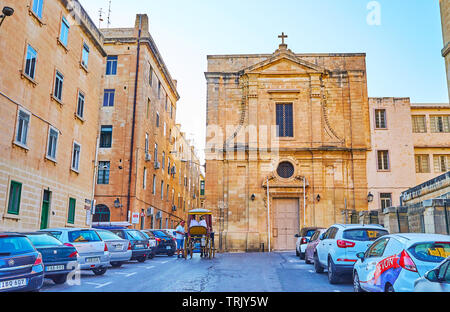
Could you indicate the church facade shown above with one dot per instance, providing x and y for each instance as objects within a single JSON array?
[{"x": 287, "y": 139}]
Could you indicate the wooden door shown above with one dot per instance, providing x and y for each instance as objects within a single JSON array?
[{"x": 286, "y": 223}]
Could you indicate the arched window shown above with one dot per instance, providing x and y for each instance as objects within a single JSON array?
[
  {"x": 285, "y": 170},
  {"x": 102, "y": 214}
]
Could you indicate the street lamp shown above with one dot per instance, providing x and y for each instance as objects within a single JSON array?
[
  {"x": 117, "y": 203},
  {"x": 370, "y": 197},
  {"x": 7, "y": 11}
]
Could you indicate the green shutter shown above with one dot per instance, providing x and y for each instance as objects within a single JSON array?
[
  {"x": 15, "y": 192},
  {"x": 71, "y": 216}
]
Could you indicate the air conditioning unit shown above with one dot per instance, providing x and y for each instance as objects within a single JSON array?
[
  {"x": 148, "y": 157},
  {"x": 149, "y": 211},
  {"x": 158, "y": 215},
  {"x": 173, "y": 171},
  {"x": 157, "y": 165},
  {"x": 174, "y": 208}
]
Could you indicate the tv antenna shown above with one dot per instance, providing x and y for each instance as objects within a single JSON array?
[
  {"x": 100, "y": 18},
  {"x": 109, "y": 14}
]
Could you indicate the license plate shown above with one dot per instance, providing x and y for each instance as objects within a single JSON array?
[
  {"x": 118, "y": 247},
  {"x": 139, "y": 246},
  {"x": 168, "y": 247},
  {"x": 93, "y": 259},
  {"x": 54, "y": 268},
  {"x": 13, "y": 283}
]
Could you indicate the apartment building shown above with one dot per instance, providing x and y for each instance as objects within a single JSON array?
[
  {"x": 410, "y": 145},
  {"x": 51, "y": 64}
]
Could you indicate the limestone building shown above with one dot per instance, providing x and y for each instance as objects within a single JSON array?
[
  {"x": 139, "y": 170},
  {"x": 286, "y": 146},
  {"x": 51, "y": 61}
]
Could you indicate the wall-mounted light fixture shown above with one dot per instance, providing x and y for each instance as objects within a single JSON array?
[
  {"x": 7, "y": 11},
  {"x": 117, "y": 203},
  {"x": 370, "y": 197},
  {"x": 253, "y": 197},
  {"x": 318, "y": 198}
]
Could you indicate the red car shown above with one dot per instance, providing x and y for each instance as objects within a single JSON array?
[{"x": 311, "y": 247}]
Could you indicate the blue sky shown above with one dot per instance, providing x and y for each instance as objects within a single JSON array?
[{"x": 403, "y": 52}]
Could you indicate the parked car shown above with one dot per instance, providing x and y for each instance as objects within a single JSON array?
[
  {"x": 93, "y": 253},
  {"x": 21, "y": 266},
  {"x": 119, "y": 248},
  {"x": 165, "y": 244},
  {"x": 436, "y": 280},
  {"x": 312, "y": 244},
  {"x": 394, "y": 262},
  {"x": 339, "y": 245},
  {"x": 170, "y": 232},
  {"x": 303, "y": 240},
  {"x": 140, "y": 246},
  {"x": 152, "y": 242},
  {"x": 59, "y": 260}
]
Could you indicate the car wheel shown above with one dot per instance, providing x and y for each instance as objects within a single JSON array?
[
  {"x": 142, "y": 259},
  {"x": 296, "y": 252},
  {"x": 307, "y": 260},
  {"x": 356, "y": 283},
  {"x": 61, "y": 279},
  {"x": 116, "y": 264},
  {"x": 332, "y": 276},
  {"x": 170, "y": 254},
  {"x": 317, "y": 266},
  {"x": 99, "y": 271},
  {"x": 151, "y": 255},
  {"x": 389, "y": 288}
]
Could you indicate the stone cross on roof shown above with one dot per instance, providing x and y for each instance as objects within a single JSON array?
[{"x": 282, "y": 36}]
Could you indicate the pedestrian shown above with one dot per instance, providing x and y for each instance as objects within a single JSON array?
[{"x": 180, "y": 238}]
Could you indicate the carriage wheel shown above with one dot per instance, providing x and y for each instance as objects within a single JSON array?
[
  {"x": 186, "y": 246},
  {"x": 191, "y": 247}
]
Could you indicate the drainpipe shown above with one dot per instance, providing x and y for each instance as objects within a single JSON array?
[
  {"x": 94, "y": 182},
  {"x": 134, "y": 117},
  {"x": 268, "y": 213}
]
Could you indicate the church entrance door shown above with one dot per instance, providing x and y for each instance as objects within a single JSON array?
[{"x": 286, "y": 223}]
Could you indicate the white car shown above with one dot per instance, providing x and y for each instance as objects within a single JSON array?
[
  {"x": 339, "y": 245},
  {"x": 394, "y": 262},
  {"x": 119, "y": 248},
  {"x": 436, "y": 280},
  {"x": 93, "y": 253}
]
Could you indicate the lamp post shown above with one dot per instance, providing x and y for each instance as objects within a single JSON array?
[{"x": 7, "y": 11}]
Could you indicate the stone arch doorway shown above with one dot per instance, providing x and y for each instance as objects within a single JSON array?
[{"x": 102, "y": 214}]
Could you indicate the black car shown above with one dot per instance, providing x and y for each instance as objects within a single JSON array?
[
  {"x": 152, "y": 242},
  {"x": 140, "y": 246},
  {"x": 165, "y": 244},
  {"x": 21, "y": 266},
  {"x": 59, "y": 259}
]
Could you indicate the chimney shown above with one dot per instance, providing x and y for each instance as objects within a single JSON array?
[{"x": 142, "y": 19}]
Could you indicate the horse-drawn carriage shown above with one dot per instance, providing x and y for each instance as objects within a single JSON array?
[{"x": 199, "y": 238}]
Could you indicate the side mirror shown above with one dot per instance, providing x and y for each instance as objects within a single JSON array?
[
  {"x": 360, "y": 255},
  {"x": 432, "y": 276},
  {"x": 321, "y": 236},
  {"x": 296, "y": 235}
]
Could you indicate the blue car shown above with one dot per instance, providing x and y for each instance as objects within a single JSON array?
[
  {"x": 394, "y": 262},
  {"x": 21, "y": 266},
  {"x": 59, "y": 259}
]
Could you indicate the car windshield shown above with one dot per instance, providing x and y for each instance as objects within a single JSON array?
[
  {"x": 83, "y": 236},
  {"x": 135, "y": 235},
  {"x": 13, "y": 245},
  {"x": 149, "y": 234},
  {"x": 105, "y": 235},
  {"x": 160, "y": 234},
  {"x": 364, "y": 234},
  {"x": 431, "y": 251},
  {"x": 310, "y": 233},
  {"x": 40, "y": 240},
  {"x": 56, "y": 234}
]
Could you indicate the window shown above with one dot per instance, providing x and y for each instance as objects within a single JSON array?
[
  {"x": 59, "y": 80},
  {"x": 154, "y": 185},
  {"x": 440, "y": 124},
  {"x": 165, "y": 106},
  {"x": 106, "y": 136},
  {"x": 383, "y": 160},
  {"x": 146, "y": 143},
  {"x": 103, "y": 172},
  {"x": 419, "y": 124},
  {"x": 285, "y": 170},
  {"x": 385, "y": 200},
  {"x": 156, "y": 152},
  {"x": 23, "y": 122},
  {"x": 441, "y": 163},
  {"x": 76, "y": 156},
  {"x": 284, "y": 120},
  {"x": 163, "y": 160},
  {"x": 64, "y": 34},
  {"x": 111, "y": 65},
  {"x": 422, "y": 164},
  {"x": 15, "y": 192},
  {"x": 380, "y": 119},
  {"x": 108, "y": 97},
  {"x": 37, "y": 7},
  {"x": 162, "y": 190},
  {"x": 159, "y": 89},
  {"x": 148, "y": 109},
  {"x": 80, "y": 105},
  {"x": 377, "y": 249},
  {"x": 144, "y": 182},
  {"x": 364, "y": 234},
  {"x": 171, "y": 111},
  {"x": 85, "y": 55},
  {"x": 150, "y": 75},
  {"x": 71, "y": 214},
  {"x": 164, "y": 128},
  {"x": 52, "y": 143},
  {"x": 30, "y": 62},
  {"x": 157, "y": 119},
  {"x": 167, "y": 192}
]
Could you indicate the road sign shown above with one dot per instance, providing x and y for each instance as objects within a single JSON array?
[{"x": 135, "y": 218}]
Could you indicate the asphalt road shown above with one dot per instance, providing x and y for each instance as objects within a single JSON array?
[{"x": 230, "y": 272}]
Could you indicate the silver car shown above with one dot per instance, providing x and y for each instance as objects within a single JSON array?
[
  {"x": 119, "y": 249},
  {"x": 93, "y": 253},
  {"x": 436, "y": 280}
]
